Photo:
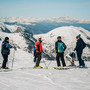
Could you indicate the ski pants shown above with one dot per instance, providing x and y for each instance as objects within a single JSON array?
[
  {"x": 35, "y": 57},
  {"x": 81, "y": 62},
  {"x": 38, "y": 59},
  {"x": 60, "y": 56},
  {"x": 5, "y": 60}
]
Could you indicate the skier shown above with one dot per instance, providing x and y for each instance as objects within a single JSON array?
[
  {"x": 38, "y": 47},
  {"x": 71, "y": 57},
  {"x": 80, "y": 45},
  {"x": 35, "y": 56},
  {"x": 5, "y": 51},
  {"x": 60, "y": 48}
]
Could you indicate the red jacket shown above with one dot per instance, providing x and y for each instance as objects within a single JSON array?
[{"x": 38, "y": 46}]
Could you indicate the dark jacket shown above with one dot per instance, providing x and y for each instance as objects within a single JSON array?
[
  {"x": 80, "y": 45},
  {"x": 60, "y": 46},
  {"x": 5, "y": 48}
]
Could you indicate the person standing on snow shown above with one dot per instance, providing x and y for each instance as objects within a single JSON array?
[
  {"x": 60, "y": 48},
  {"x": 5, "y": 51},
  {"x": 38, "y": 47},
  {"x": 80, "y": 45}
]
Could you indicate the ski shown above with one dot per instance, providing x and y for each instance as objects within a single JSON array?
[
  {"x": 5, "y": 70},
  {"x": 61, "y": 68}
]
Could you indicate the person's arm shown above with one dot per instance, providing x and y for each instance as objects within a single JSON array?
[
  {"x": 64, "y": 46},
  {"x": 36, "y": 46},
  {"x": 9, "y": 46},
  {"x": 56, "y": 47},
  {"x": 77, "y": 46}
]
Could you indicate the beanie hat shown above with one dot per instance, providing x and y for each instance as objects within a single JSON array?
[
  {"x": 58, "y": 37},
  {"x": 6, "y": 38},
  {"x": 39, "y": 38},
  {"x": 78, "y": 36}
]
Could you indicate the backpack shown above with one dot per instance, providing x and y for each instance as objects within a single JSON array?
[
  {"x": 34, "y": 49},
  {"x": 4, "y": 49},
  {"x": 60, "y": 47},
  {"x": 84, "y": 45}
]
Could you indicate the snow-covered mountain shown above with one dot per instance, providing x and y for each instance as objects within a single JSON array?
[
  {"x": 10, "y": 28},
  {"x": 43, "y": 25},
  {"x": 18, "y": 36},
  {"x": 62, "y": 19},
  {"x": 68, "y": 34}
]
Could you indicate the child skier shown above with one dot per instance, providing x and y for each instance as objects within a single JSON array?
[{"x": 71, "y": 58}]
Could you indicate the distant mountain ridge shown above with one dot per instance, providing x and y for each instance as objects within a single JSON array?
[{"x": 44, "y": 25}]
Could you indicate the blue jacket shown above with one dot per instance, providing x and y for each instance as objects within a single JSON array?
[
  {"x": 60, "y": 46},
  {"x": 80, "y": 45},
  {"x": 5, "y": 48}
]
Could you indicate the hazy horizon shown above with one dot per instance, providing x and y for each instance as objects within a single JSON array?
[{"x": 79, "y": 9}]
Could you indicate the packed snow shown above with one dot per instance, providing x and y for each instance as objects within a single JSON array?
[{"x": 24, "y": 77}]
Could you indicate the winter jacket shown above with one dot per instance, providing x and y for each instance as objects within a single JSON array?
[
  {"x": 80, "y": 45},
  {"x": 38, "y": 46},
  {"x": 60, "y": 46},
  {"x": 5, "y": 48}
]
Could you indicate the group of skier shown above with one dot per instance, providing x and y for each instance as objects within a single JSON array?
[{"x": 60, "y": 47}]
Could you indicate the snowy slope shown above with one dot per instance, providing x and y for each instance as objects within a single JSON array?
[
  {"x": 68, "y": 35},
  {"x": 24, "y": 77},
  {"x": 42, "y": 79}
]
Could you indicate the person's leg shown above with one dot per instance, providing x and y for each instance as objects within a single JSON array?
[
  {"x": 81, "y": 62},
  {"x": 38, "y": 59},
  {"x": 78, "y": 57},
  {"x": 5, "y": 57},
  {"x": 57, "y": 59},
  {"x": 35, "y": 56},
  {"x": 62, "y": 59}
]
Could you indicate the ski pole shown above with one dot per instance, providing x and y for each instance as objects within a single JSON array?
[
  {"x": 44, "y": 63},
  {"x": 13, "y": 58},
  {"x": 49, "y": 64}
]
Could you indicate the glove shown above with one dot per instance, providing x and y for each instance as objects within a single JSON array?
[
  {"x": 37, "y": 51},
  {"x": 15, "y": 48}
]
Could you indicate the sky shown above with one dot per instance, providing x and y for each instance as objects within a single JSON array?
[{"x": 79, "y": 9}]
